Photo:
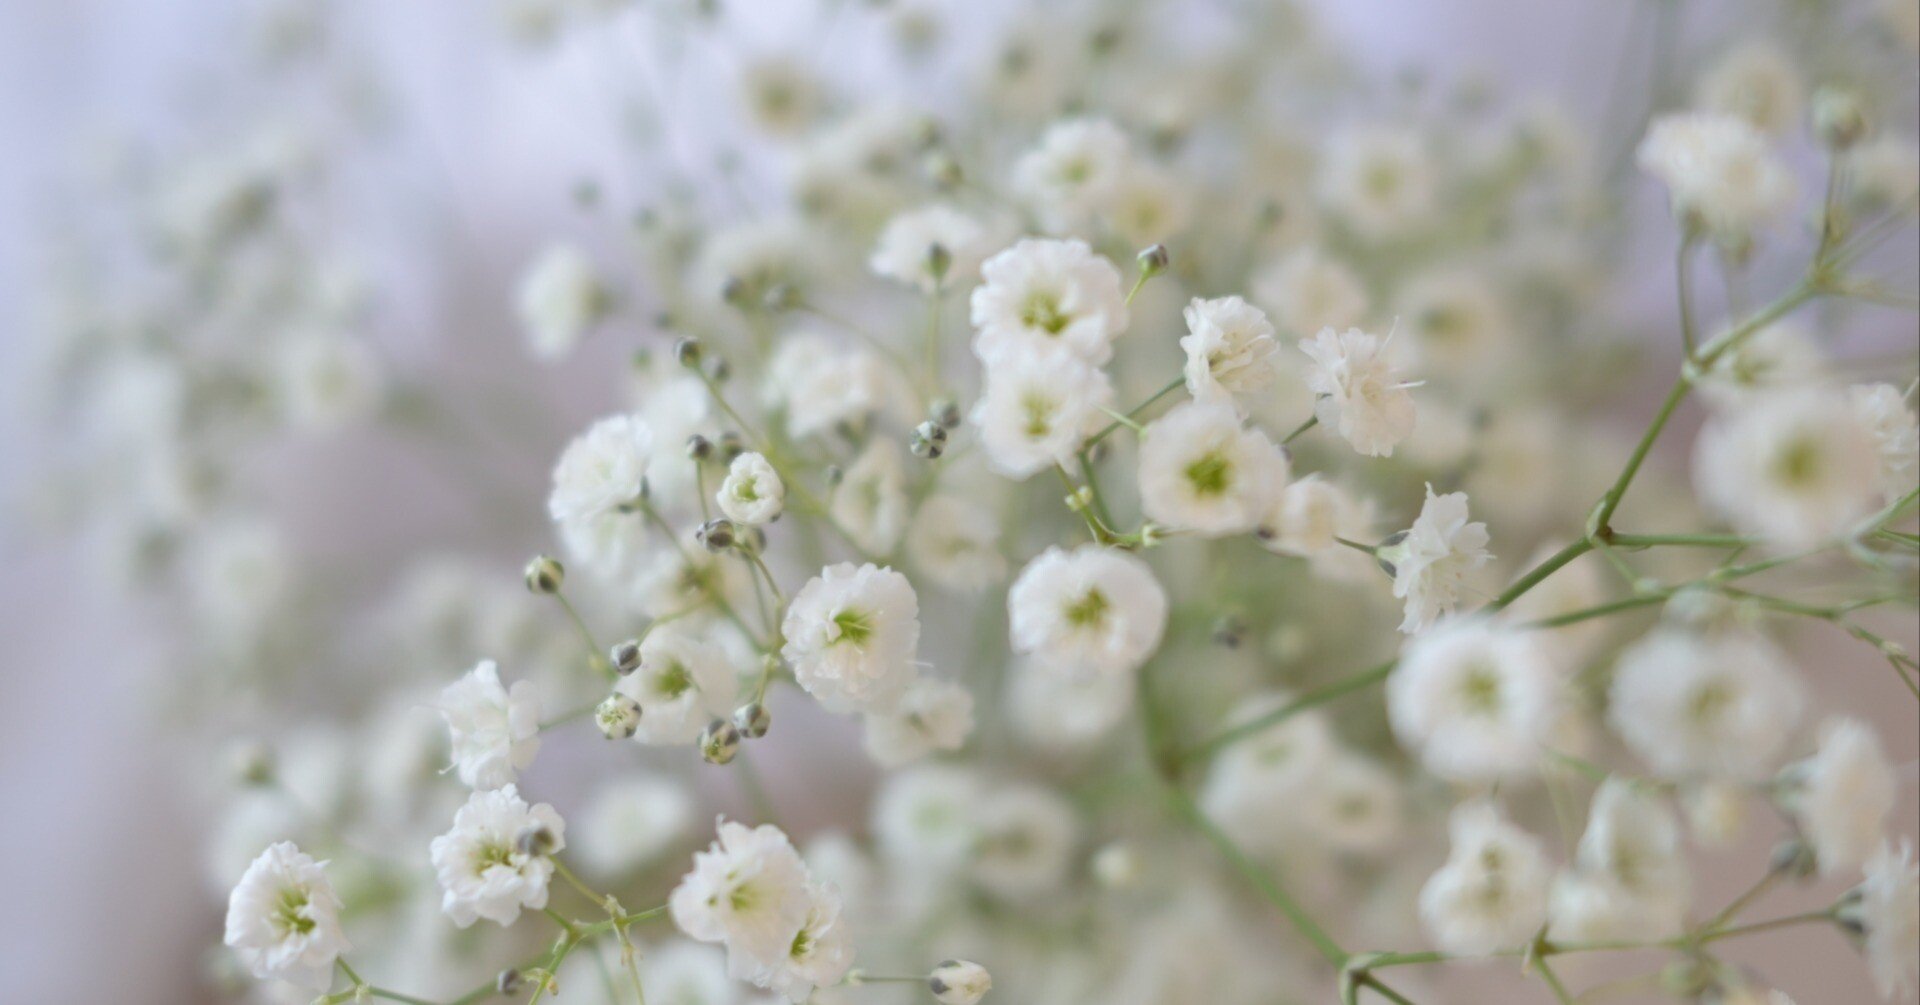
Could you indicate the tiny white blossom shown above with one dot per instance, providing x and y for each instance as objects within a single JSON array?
[
  {"x": 1718, "y": 170},
  {"x": 1308, "y": 291},
  {"x": 1887, "y": 913},
  {"x": 1689, "y": 704},
  {"x": 821, "y": 385},
  {"x": 1492, "y": 892},
  {"x": 327, "y": 381},
  {"x": 1842, "y": 795},
  {"x": 561, "y": 298},
  {"x": 1201, "y": 471},
  {"x": 1777, "y": 357},
  {"x": 1306, "y": 517},
  {"x": 1885, "y": 171},
  {"x": 748, "y": 890},
  {"x": 1042, "y": 293},
  {"x": 1093, "y": 609},
  {"x": 1256, "y": 787},
  {"x": 1883, "y": 410},
  {"x": 1476, "y": 701},
  {"x": 870, "y": 503},
  {"x": 1797, "y": 467},
  {"x": 1756, "y": 82},
  {"x": 956, "y": 542},
  {"x": 1379, "y": 179},
  {"x": 905, "y": 250},
  {"x": 1358, "y": 391},
  {"x": 283, "y": 919},
  {"x": 1431, "y": 563},
  {"x": 752, "y": 492},
  {"x": 1150, "y": 205},
  {"x": 925, "y": 818},
  {"x": 485, "y": 871},
  {"x": 603, "y": 469},
  {"x": 959, "y": 982},
  {"x": 1230, "y": 349},
  {"x": 932, "y": 715},
  {"x": 683, "y": 683},
  {"x": 1025, "y": 841},
  {"x": 851, "y": 636},
  {"x": 630, "y": 822},
  {"x": 1074, "y": 174},
  {"x": 1630, "y": 877},
  {"x": 819, "y": 954},
  {"x": 1060, "y": 709},
  {"x": 496, "y": 730},
  {"x": 1038, "y": 407}
]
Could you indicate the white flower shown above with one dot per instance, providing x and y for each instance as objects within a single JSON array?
[
  {"x": 1200, "y": 471},
  {"x": 1048, "y": 293},
  {"x": 1721, "y": 705},
  {"x": 561, "y": 298},
  {"x": 283, "y": 919},
  {"x": 1061, "y": 709},
  {"x": 959, "y": 982},
  {"x": 603, "y": 469},
  {"x": 496, "y": 731},
  {"x": 851, "y": 637},
  {"x": 683, "y": 683},
  {"x": 1797, "y": 468},
  {"x": 1354, "y": 805},
  {"x": 1492, "y": 892},
  {"x": 932, "y": 715},
  {"x": 749, "y": 890},
  {"x": 1358, "y": 390},
  {"x": 1886, "y": 910},
  {"x": 1038, "y": 406},
  {"x": 819, "y": 954},
  {"x": 1092, "y": 609},
  {"x": 1431, "y": 563},
  {"x": 870, "y": 503},
  {"x": 1380, "y": 179},
  {"x": 752, "y": 492},
  {"x": 1307, "y": 291},
  {"x": 1718, "y": 170},
  {"x": 484, "y": 868},
  {"x": 326, "y": 381},
  {"x": 1456, "y": 323},
  {"x": 1779, "y": 356},
  {"x": 1756, "y": 82},
  {"x": 1476, "y": 701},
  {"x": 1305, "y": 518},
  {"x": 1230, "y": 349},
  {"x": 1150, "y": 205},
  {"x": 821, "y": 385},
  {"x": 1025, "y": 839},
  {"x": 1256, "y": 787},
  {"x": 955, "y": 541},
  {"x": 629, "y": 822},
  {"x": 905, "y": 250},
  {"x": 925, "y": 818},
  {"x": 1074, "y": 174},
  {"x": 1842, "y": 795},
  {"x": 1630, "y": 877},
  {"x": 1885, "y": 171},
  {"x": 1883, "y": 410}
]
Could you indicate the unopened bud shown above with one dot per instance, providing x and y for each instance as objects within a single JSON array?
[
  {"x": 719, "y": 741},
  {"x": 946, "y": 412},
  {"x": 686, "y": 351},
  {"x": 699, "y": 448},
  {"x": 545, "y": 574},
  {"x": 508, "y": 981},
  {"x": 1154, "y": 260},
  {"x": 1838, "y": 118},
  {"x": 929, "y": 440},
  {"x": 252, "y": 762},
  {"x": 1117, "y": 865},
  {"x": 731, "y": 446},
  {"x": 959, "y": 982},
  {"x": 716, "y": 534},
  {"x": 939, "y": 260},
  {"x": 537, "y": 841},
  {"x": 1793, "y": 857},
  {"x": 1229, "y": 631},
  {"x": 752, "y": 720},
  {"x": 618, "y": 716}
]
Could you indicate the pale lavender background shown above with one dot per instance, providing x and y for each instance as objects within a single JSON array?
[{"x": 101, "y": 899}]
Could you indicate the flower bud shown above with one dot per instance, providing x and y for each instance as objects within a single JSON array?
[
  {"x": 1793, "y": 857},
  {"x": 537, "y": 841},
  {"x": 686, "y": 351},
  {"x": 1838, "y": 118},
  {"x": 1117, "y": 865},
  {"x": 752, "y": 720},
  {"x": 699, "y": 448},
  {"x": 625, "y": 656},
  {"x": 946, "y": 412},
  {"x": 730, "y": 446},
  {"x": 959, "y": 982},
  {"x": 618, "y": 716},
  {"x": 508, "y": 982},
  {"x": 1229, "y": 630},
  {"x": 252, "y": 762},
  {"x": 545, "y": 574},
  {"x": 716, "y": 534},
  {"x": 719, "y": 370},
  {"x": 929, "y": 440},
  {"x": 719, "y": 741},
  {"x": 1154, "y": 260},
  {"x": 939, "y": 260}
]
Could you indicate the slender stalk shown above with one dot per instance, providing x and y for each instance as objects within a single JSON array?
[
  {"x": 1135, "y": 410},
  {"x": 1553, "y": 563},
  {"x": 1312, "y": 421},
  {"x": 1319, "y": 696}
]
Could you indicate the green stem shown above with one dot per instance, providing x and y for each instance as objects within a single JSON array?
[
  {"x": 1319, "y": 696},
  {"x": 1135, "y": 410},
  {"x": 1311, "y": 422},
  {"x": 1553, "y": 564}
]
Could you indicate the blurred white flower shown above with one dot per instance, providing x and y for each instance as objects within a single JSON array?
[
  {"x": 1201, "y": 471},
  {"x": 1475, "y": 701},
  {"x": 1757, "y": 82},
  {"x": 1630, "y": 878},
  {"x": 561, "y": 298},
  {"x": 1797, "y": 468},
  {"x": 1690, "y": 704},
  {"x": 1885, "y": 909},
  {"x": 1492, "y": 892},
  {"x": 955, "y": 541},
  {"x": 1093, "y": 609},
  {"x": 1038, "y": 406},
  {"x": 1719, "y": 171},
  {"x": 870, "y": 504},
  {"x": 629, "y": 822},
  {"x": 327, "y": 381},
  {"x": 959, "y": 982},
  {"x": 1842, "y": 795},
  {"x": 752, "y": 492},
  {"x": 1042, "y": 293},
  {"x": 603, "y": 469},
  {"x": 1430, "y": 564},
  {"x": 1075, "y": 173},
  {"x": 906, "y": 250},
  {"x": 496, "y": 730},
  {"x": 1308, "y": 291},
  {"x": 1380, "y": 179},
  {"x": 684, "y": 682},
  {"x": 933, "y": 715},
  {"x": 1883, "y": 410}
]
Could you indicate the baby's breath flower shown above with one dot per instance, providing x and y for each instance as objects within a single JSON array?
[
  {"x": 496, "y": 731},
  {"x": 283, "y": 919}
]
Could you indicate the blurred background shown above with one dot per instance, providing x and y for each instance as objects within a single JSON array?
[{"x": 471, "y": 147}]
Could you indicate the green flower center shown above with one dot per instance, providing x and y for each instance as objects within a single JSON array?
[
  {"x": 855, "y": 626},
  {"x": 1043, "y": 311},
  {"x": 1211, "y": 475},
  {"x": 290, "y": 912},
  {"x": 1088, "y": 610},
  {"x": 675, "y": 680}
]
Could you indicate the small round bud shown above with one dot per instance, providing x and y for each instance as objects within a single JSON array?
[
  {"x": 686, "y": 351},
  {"x": 959, "y": 982},
  {"x": 929, "y": 440},
  {"x": 545, "y": 574},
  {"x": 1154, "y": 260},
  {"x": 535, "y": 841},
  {"x": 699, "y": 448},
  {"x": 719, "y": 371},
  {"x": 731, "y": 446},
  {"x": 752, "y": 720},
  {"x": 716, "y": 534},
  {"x": 939, "y": 260},
  {"x": 1838, "y": 118},
  {"x": 946, "y": 412},
  {"x": 508, "y": 982},
  {"x": 1117, "y": 865},
  {"x": 1229, "y": 631},
  {"x": 719, "y": 741},
  {"x": 1793, "y": 857},
  {"x": 252, "y": 762},
  {"x": 618, "y": 716}
]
